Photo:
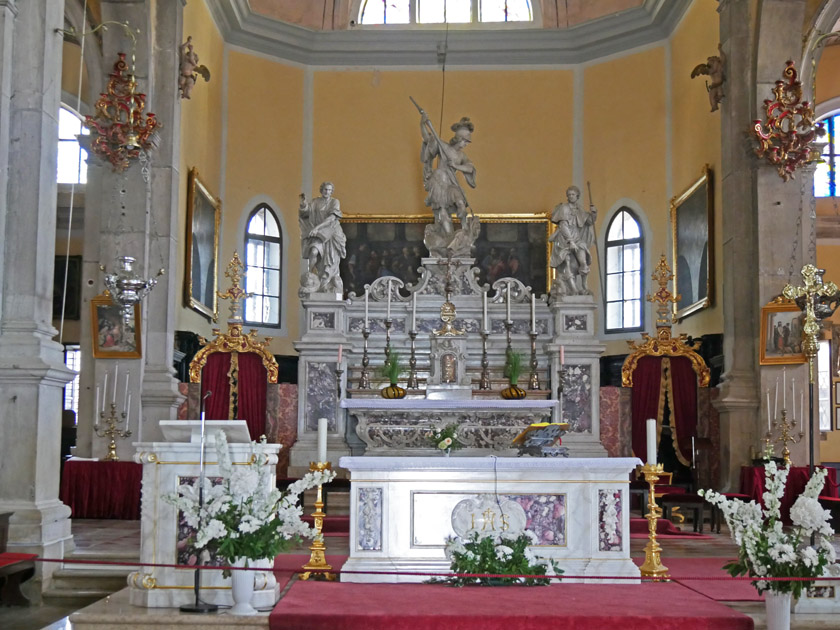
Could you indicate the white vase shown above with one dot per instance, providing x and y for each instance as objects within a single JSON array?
[
  {"x": 777, "y": 607},
  {"x": 242, "y": 589}
]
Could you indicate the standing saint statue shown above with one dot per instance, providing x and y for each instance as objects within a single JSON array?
[
  {"x": 574, "y": 236},
  {"x": 445, "y": 196},
  {"x": 322, "y": 241}
]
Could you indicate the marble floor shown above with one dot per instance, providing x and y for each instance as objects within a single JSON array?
[{"x": 121, "y": 538}]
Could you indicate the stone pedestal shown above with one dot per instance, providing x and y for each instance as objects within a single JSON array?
[
  {"x": 575, "y": 349},
  {"x": 318, "y": 384}
]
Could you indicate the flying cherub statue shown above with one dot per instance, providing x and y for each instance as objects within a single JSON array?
[
  {"x": 189, "y": 69},
  {"x": 715, "y": 67}
]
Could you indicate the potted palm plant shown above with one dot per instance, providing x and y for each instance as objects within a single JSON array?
[
  {"x": 513, "y": 369},
  {"x": 392, "y": 370}
]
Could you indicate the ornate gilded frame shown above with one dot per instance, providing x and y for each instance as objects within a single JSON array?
[
  {"x": 103, "y": 311},
  {"x": 203, "y": 218},
  {"x": 692, "y": 229},
  {"x": 781, "y": 311},
  {"x": 534, "y": 217}
]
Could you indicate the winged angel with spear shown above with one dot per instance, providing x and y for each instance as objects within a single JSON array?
[{"x": 445, "y": 196}]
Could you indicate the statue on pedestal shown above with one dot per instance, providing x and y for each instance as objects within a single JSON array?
[
  {"x": 574, "y": 236},
  {"x": 322, "y": 242},
  {"x": 445, "y": 195}
]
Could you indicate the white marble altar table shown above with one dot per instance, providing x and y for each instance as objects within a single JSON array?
[
  {"x": 401, "y": 511},
  {"x": 399, "y": 427}
]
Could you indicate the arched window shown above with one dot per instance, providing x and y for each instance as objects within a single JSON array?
[
  {"x": 72, "y": 168},
  {"x": 444, "y": 11},
  {"x": 624, "y": 250},
  {"x": 825, "y": 177},
  {"x": 263, "y": 259}
]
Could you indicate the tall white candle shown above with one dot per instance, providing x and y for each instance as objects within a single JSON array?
[
  {"x": 784, "y": 388},
  {"x": 116, "y": 374},
  {"x": 651, "y": 442},
  {"x": 139, "y": 427},
  {"x": 366, "y": 308},
  {"x": 776, "y": 400},
  {"x": 125, "y": 393},
  {"x": 793, "y": 397},
  {"x": 802, "y": 412},
  {"x": 692, "y": 451},
  {"x": 484, "y": 323},
  {"x": 96, "y": 408},
  {"x": 508, "y": 301},
  {"x": 562, "y": 355},
  {"x": 104, "y": 391},
  {"x": 533, "y": 313},
  {"x": 768, "y": 410},
  {"x": 388, "y": 308},
  {"x": 322, "y": 439},
  {"x": 414, "y": 311},
  {"x": 127, "y": 410},
  {"x": 340, "y": 347}
]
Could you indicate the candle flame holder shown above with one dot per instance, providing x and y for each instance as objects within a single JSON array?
[
  {"x": 652, "y": 566},
  {"x": 317, "y": 567},
  {"x": 364, "y": 377},
  {"x": 484, "y": 382},
  {"x": 534, "y": 379},
  {"x": 412, "y": 362},
  {"x": 111, "y": 431},
  {"x": 785, "y": 428}
]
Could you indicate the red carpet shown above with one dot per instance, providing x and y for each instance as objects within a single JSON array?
[
  {"x": 664, "y": 529},
  {"x": 727, "y": 590},
  {"x": 343, "y": 606}
]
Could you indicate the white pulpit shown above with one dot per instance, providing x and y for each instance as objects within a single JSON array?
[
  {"x": 402, "y": 510},
  {"x": 164, "y": 535}
]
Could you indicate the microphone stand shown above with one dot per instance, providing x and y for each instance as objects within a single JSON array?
[{"x": 199, "y": 606}]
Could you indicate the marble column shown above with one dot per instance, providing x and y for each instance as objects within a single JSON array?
[{"x": 32, "y": 372}]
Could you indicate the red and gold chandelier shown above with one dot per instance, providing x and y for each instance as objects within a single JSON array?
[{"x": 119, "y": 131}]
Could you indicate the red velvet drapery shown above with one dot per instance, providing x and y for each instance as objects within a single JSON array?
[
  {"x": 683, "y": 396},
  {"x": 214, "y": 378},
  {"x": 647, "y": 385},
  {"x": 252, "y": 392}
]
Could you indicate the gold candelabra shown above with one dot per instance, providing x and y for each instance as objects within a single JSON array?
[
  {"x": 111, "y": 431},
  {"x": 317, "y": 567},
  {"x": 786, "y": 437},
  {"x": 652, "y": 566}
]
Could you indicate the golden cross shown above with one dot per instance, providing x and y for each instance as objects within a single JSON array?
[
  {"x": 662, "y": 275},
  {"x": 811, "y": 291},
  {"x": 235, "y": 292}
]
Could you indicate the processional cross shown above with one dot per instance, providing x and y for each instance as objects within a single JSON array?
[{"x": 235, "y": 292}]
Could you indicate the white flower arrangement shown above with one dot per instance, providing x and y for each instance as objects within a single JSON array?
[
  {"x": 766, "y": 549},
  {"x": 444, "y": 438},
  {"x": 246, "y": 516}
]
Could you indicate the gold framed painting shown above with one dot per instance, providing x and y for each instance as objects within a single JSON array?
[
  {"x": 781, "y": 333},
  {"x": 114, "y": 336},
  {"x": 202, "y": 247},
  {"x": 692, "y": 231},
  {"x": 508, "y": 245}
]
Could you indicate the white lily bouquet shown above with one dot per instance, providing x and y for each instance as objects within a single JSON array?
[
  {"x": 765, "y": 548},
  {"x": 244, "y": 514}
]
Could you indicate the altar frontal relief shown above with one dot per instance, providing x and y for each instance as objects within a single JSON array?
[{"x": 509, "y": 245}]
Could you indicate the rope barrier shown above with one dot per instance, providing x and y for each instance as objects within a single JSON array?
[{"x": 680, "y": 578}]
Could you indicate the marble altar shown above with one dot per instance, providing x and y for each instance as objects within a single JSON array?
[
  {"x": 163, "y": 537},
  {"x": 401, "y": 511}
]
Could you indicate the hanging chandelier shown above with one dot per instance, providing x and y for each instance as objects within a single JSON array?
[
  {"x": 119, "y": 131},
  {"x": 126, "y": 286}
]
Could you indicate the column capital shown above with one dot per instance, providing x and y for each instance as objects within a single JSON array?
[{"x": 9, "y": 5}]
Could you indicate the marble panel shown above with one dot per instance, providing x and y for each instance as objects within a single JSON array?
[
  {"x": 283, "y": 425},
  {"x": 577, "y": 398},
  {"x": 610, "y": 420},
  {"x": 321, "y": 394},
  {"x": 575, "y": 323},
  {"x": 546, "y": 516},
  {"x": 625, "y": 427},
  {"x": 377, "y": 324},
  {"x": 610, "y": 534},
  {"x": 183, "y": 389},
  {"x": 369, "y": 519},
  {"x": 322, "y": 321}
]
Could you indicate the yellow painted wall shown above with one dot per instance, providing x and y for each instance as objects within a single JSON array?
[
  {"x": 521, "y": 146},
  {"x": 696, "y": 141},
  {"x": 264, "y": 148},
  {"x": 201, "y": 141},
  {"x": 70, "y": 59},
  {"x": 624, "y": 144}
]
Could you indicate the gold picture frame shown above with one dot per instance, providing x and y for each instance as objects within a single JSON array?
[
  {"x": 202, "y": 247},
  {"x": 113, "y": 336},
  {"x": 781, "y": 333},
  {"x": 503, "y": 236},
  {"x": 692, "y": 231}
]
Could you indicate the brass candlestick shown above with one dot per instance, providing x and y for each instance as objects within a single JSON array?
[
  {"x": 364, "y": 377},
  {"x": 388, "y": 323},
  {"x": 111, "y": 431},
  {"x": 412, "y": 362},
  {"x": 652, "y": 566},
  {"x": 534, "y": 380},
  {"x": 785, "y": 436},
  {"x": 317, "y": 567},
  {"x": 508, "y": 330},
  {"x": 484, "y": 382},
  {"x": 338, "y": 373}
]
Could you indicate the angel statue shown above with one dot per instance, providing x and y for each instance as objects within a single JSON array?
[
  {"x": 715, "y": 67},
  {"x": 189, "y": 69},
  {"x": 445, "y": 196}
]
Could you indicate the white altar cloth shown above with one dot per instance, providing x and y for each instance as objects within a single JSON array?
[
  {"x": 401, "y": 508},
  {"x": 423, "y": 404}
]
